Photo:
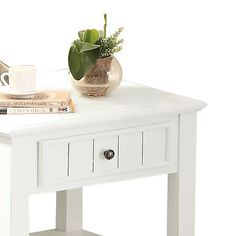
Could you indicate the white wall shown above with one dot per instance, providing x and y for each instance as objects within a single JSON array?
[{"x": 187, "y": 47}]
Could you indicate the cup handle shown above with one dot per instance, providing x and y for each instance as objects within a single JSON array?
[{"x": 3, "y": 78}]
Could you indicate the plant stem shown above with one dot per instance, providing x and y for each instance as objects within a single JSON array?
[{"x": 105, "y": 26}]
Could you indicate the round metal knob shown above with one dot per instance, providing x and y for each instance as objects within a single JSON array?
[{"x": 109, "y": 154}]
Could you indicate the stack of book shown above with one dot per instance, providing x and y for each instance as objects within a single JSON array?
[{"x": 43, "y": 102}]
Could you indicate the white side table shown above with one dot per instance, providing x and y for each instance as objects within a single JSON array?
[{"x": 136, "y": 132}]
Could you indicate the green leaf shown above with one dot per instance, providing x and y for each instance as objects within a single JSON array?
[
  {"x": 91, "y": 36},
  {"x": 81, "y": 35},
  {"x": 81, "y": 57},
  {"x": 88, "y": 47},
  {"x": 77, "y": 45},
  {"x": 82, "y": 46}
]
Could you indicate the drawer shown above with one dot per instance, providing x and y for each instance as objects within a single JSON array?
[
  {"x": 63, "y": 158},
  {"x": 102, "y": 161},
  {"x": 126, "y": 148},
  {"x": 108, "y": 153},
  {"x": 130, "y": 150},
  {"x": 160, "y": 144},
  {"x": 53, "y": 161},
  {"x": 80, "y": 157}
]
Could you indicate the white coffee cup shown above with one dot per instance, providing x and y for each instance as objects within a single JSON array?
[{"x": 22, "y": 78}]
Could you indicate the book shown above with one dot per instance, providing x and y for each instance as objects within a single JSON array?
[
  {"x": 37, "y": 110},
  {"x": 44, "y": 99}
]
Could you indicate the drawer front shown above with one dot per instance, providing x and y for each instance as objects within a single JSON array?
[
  {"x": 80, "y": 158},
  {"x": 101, "y": 145},
  {"x": 85, "y": 156},
  {"x": 130, "y": 150},
  {"x": 154, "y": 146},
  {"x": 53, "y": 161},
  {"x": 160, "y": 144}
]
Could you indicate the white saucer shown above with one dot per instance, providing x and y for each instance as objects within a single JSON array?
[{"x": 7, "y": 91}]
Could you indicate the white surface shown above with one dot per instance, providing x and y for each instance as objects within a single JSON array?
[
  {"x": 69, "y": 210},
  {"x": 60, "y": 233},
  {"x": 130, "y": 150},
  {"x": 8, "y": 91},
  {"x": 155, "y": 146},
  {"x": 141, "y": 100},
  {"x": 181, "y": 185},
  {"x": 49, "y": 165},
  {"x": 21, "y": 178},
  {"x": 160, "y": 143},
  {"x": 77, "y": 161},
  {"x": 101, "y": 164},
  {"x": 81, "y": 157},
  {"x": 45, "y": 164},
  {"x": 53, "y": 161},
  {"x": 5, "y": 186}
]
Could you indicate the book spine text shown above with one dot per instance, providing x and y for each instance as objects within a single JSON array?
[
  {"x": 32, "y": 110},
  {"x": 33, "y": 104}
]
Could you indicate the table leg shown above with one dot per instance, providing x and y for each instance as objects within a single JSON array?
[
  {"x": 20, "y": 214},
  {"x": 14, "y": 199},
  {"x": 181, "y": 185},
  {"x": 69, "y": 210},
  {"x": 5, "y": 189}
]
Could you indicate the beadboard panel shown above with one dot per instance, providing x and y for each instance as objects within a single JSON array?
[
  {"x": 130, "y": 150},
  {"x": 53, "y": 161},
  {"x": 80, "y": 157}
]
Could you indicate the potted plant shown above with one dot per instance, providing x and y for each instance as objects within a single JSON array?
[{"x": 94, "y": 69}]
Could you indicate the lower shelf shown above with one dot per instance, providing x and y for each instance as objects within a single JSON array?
[{"x": 60, "y": 233}]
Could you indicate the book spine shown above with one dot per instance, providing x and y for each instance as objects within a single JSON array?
[
  {"x": 32, "y": 110},
  {"x": 33, "y": 104}
]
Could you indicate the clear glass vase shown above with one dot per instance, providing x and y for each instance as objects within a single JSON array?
[{"x": 101, "y": 80}]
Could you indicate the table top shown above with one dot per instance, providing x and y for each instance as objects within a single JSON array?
[{"x": 130, "y": 100}]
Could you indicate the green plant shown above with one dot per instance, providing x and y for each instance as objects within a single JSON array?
[{"x": 91, "y": 45}]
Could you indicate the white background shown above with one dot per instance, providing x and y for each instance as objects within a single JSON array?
[{"x": 185, "y": 46}]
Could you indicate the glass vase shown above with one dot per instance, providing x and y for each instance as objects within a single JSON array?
[{"x": 101, "y": 80}]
